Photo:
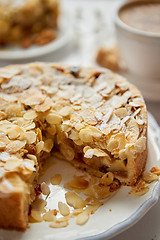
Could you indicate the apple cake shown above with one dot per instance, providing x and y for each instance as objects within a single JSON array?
[
  {"x": 28, "y": 22},
  {"x": 90, "y": 117}
]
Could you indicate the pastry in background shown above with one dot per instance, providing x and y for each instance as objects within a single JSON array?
[
  {"x": 109, "y": 57},
  {"x": 28, "y": 22}
]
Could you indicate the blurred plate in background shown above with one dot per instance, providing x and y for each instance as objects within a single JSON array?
[{"x": 16, "y": 52}]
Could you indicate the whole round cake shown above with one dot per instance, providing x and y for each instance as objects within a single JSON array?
[{"x": 91, "y": 117}]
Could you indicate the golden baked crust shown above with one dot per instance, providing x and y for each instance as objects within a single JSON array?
[
  {"x": 90, "y": 117},
  {"x": 28, "y": 22}
]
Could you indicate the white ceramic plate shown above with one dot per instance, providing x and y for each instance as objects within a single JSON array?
[
  {"x": 126, "y": 210},
  {"x": 16, "y": 52}
]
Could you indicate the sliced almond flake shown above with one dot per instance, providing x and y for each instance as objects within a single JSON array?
[
  {"x": 13, "y": 110},
  {"x": 110, "y": 86},
  {"x": 107, "y": 179},
  {"x": 139, "y": 121},
  {"x": 138, "y": 100},
  {"x": 39, "y": 204},
  {"x": 66, "y": 128},
  {"x": 4, "y": 156},
  {"x": 30, "y": 126},
  {"x": 4, "y": 127},
  {"x": 123, "y": 85},
  {"x": 76, "y": 107},
  {"x": 8, "y": 97},
  {"x": 140, "y": 144},
  {"x": 15, "y": 146},
  {"x": 56, "y": 180},
  {"x": 45, "y": 106},
  {"x": 59, "y": 224},
  {"x": 49, "y": 89},
  {"x": 99, "y": 153},
  {"x": 87, "y": 134},
  {"x": 77, "y": 183},
  {"x": 140, "y": 188},
  {"x": 49, "y": 216},
  {"x": 125, "y": 119},
  {"x": 53, "y": 118},
  {"x": 96, "y": 101},
  {"x": 136, "y": 112},
  {"x": 32, "y": 157},
  {"x": 98, "y": 192},
  {"x": 114, "y": 120},
  {"x": 89, "y": 117},
  {"x": 39, "y": 134},
  {"x": 51, "y": 130},
  {"x": 36, "y": 215},
  {"x": 15, "y": 132},
  {"x": 16, "y": 84},
  {"x": 3, "y": 115},
  {"x": 155, "y": 170},
  {"x": 48, "y": 145},
  {"x": 93, "y": 208},
  {"x": 63, "y": 209},
  {"x": 12, "y": 164},
  {"x": 75, "y": 212},
  {"x": 121, "y": 112},
  {"x": 133, "y": 104},
  {"x": 122, "y": 154},
  {"x": 74, "y": 200},
  {"x": 30, "y": 115},
  {"x": 26, "y": 124},
  {"x": 9, "y": 72},
  {"x": 112, "y": 144},
  {"x": 65, "y": 111},
  {"x": 98, "y": 115},
  {"x": 92, "y": 201},
  {"x": 149, "y": 177},
  {"x": 31, "y": 137},
  {"x": 74, "y": 135},
  {"x": 96, "y": 133},
  {"x": 76, "y": 97},
  {"x": 101, "y": 85},
  {"x": 82, "y": 218},
  {"x": 34, "y": 99},
  {"x": 78, "y": 142},
  {"x": 89, "y": 153},
  {"x": 45, "y": 189},
  {"x": 28, "y": 164},
  {"x": 107, "y": 115},
  {"x": 133, "y": 129},
  {"x": 39, "y": 147}
]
